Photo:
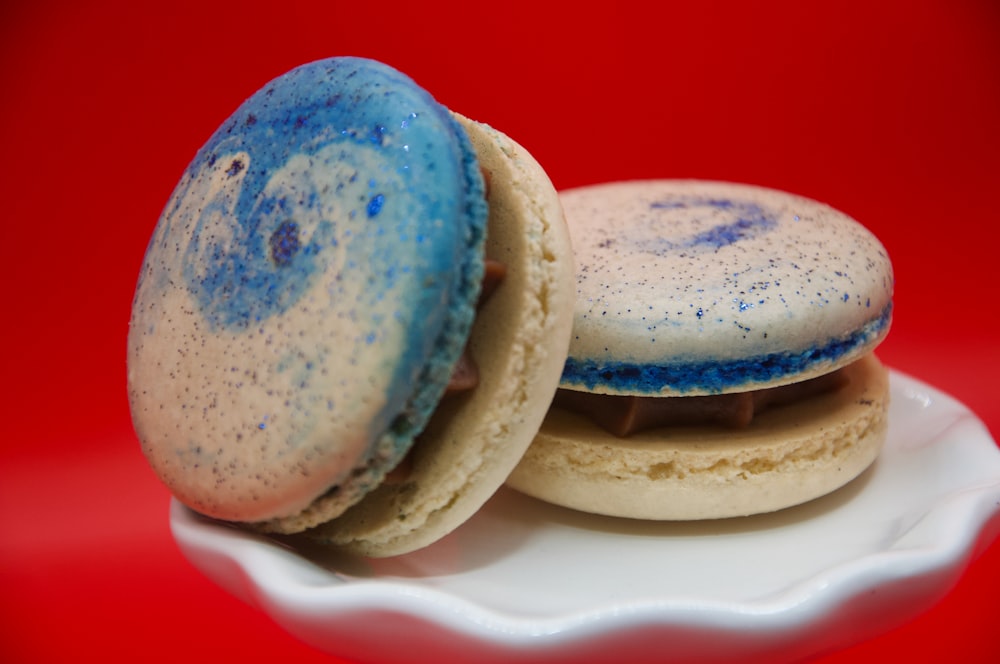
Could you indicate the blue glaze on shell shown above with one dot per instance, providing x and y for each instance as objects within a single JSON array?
[
  {"x": 305, "y": 120},
  {"x": 308, "y": 288},
  {"x": 751, "y": 220},
  {"x": 713, "y": 376}
]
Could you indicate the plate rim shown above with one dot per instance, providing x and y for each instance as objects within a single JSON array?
[{"x": 271, "y": 576}]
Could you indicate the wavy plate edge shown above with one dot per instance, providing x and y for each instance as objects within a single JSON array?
[{"x": 841, "y": 605}]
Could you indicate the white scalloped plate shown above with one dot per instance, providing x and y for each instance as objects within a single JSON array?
[{"x": 523, "y": 579}]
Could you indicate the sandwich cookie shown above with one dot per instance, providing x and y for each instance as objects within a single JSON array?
[
  {"x": 721, "y": 361},
  {"x": 315, "y": 285}
]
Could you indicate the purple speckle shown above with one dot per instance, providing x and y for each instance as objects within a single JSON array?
[
  {"x": 235, "y": 167},
  {"x": 284, "y": 243}
]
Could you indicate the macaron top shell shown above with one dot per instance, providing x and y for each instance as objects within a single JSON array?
[
  {"x": 696, "y": 287},
  {"x": 306, "y": 292}
]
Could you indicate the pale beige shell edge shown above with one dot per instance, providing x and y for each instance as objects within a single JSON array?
[
  {"x": 787, "y": 456},
  {"x": 519, "y": 340}
]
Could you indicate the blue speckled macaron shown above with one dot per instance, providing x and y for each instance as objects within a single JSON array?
[
  {"x": 721, "y": 362},
  {"x": 307, "y": 293},
  {"x": 312, "y": 279},
  {"x": 689, "y": 288}
]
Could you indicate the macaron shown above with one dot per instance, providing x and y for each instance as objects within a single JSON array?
[
  {"x": 722, "y": 358},
  {"x": 313, "y": 292}
]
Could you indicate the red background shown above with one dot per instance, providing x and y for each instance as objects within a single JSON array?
[{"x": 887, "y": 110}]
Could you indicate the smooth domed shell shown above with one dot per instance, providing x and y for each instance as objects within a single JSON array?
[
  {"x": 306, "y": 292},
  {"x": 695, "y": 287}
]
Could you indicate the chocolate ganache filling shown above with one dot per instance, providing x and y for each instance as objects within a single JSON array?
[
  {"x": 465, "y": 375},
  {"x": 627, "y": 415}
]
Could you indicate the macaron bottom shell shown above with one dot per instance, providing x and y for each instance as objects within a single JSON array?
[{"x": 787, "y": 456}]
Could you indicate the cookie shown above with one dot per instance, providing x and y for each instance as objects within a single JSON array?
[
  {"x": 310, "y": 289},
  {"x": 721, "y": 361}
]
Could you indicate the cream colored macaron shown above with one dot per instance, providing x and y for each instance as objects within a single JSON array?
[{"x": 721, "y": 361}]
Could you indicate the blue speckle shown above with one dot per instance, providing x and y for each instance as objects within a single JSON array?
[
  {"x": 375, "y": 205},
  {"x": 846, "y": 297}
]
